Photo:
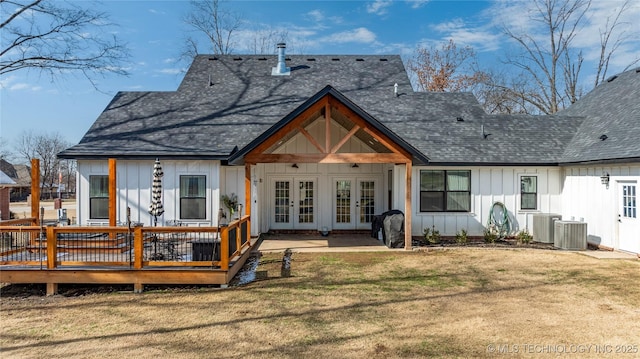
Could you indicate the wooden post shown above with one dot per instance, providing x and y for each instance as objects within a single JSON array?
[
  {"x": 112, "y": 192},
  {"x": 35, "y": 191},
  {"x": 224, "y": 249},
  {"x": 138, "y": 247},
  {"x": 52, "y": 247},
  {"x": 52, "y": 257},
  {"x": 407, "y": 206},
  {"x": 247, "y": 198}
]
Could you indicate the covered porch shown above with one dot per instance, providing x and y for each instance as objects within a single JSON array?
[{"x": 328, "y": 166}]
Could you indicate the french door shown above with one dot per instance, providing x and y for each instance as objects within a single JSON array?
[
  {"x": 294, "y": 203},
  {"x": 355, "y": 202}
]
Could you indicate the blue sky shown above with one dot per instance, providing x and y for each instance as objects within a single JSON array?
[{"x": 155, "y": 32}]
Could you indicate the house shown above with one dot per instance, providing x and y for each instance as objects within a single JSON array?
[
  {"x": 21, "y": 175},
  {"x": 324, "y": 142},
  {"x": 6, "y": 185}
]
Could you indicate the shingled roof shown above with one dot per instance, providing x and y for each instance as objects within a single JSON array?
[
  {"x": 611, "y": 129},
  {"x": 226, "y": 102}
]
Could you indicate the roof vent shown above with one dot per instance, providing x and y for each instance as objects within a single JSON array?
[
  {"x": 282, "y": 68},
  {"x": 637, "y": 69},
  {"x": 383, "y": 59},
  {"x": 395, "y": 89},
  {"x": 237, "y": 59},
  {"x": 459, "y": 119},
  {"x": 311, "y": 59},
  {"x": 612, "y": 78},
  {"x": 359, "y": 59},
  {"x": 484, "y": 134},
  {"x": 213, "y": 58},
  {"x": 603, "y": 137},
  {"x": 262, "y": 59},
  {"x": 335, "y": 59}
]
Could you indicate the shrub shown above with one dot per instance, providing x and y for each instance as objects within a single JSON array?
[
  {"x": 462, "y": 236},
  {"x": 524, "y": 237},
  {"x": 490, "y": 235},
  {"x": 431, "y": 235}
]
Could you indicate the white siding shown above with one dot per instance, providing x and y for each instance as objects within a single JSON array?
[
  {"x": 585, "y": 198},
  {"x": 488, "y": 185},
  {"x": 134, "y": 189}
]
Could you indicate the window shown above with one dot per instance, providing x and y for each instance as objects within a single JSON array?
[
  {"x": 529, "y": 192},
  {"x": 445, "y": 191},
  {"x": 193, "y": 197},
  {"x": 98, "y": 197},
  {"x": 629, "y": 208}
]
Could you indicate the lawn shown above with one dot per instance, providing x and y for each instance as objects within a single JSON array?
[{"x": 454, "y": 303}]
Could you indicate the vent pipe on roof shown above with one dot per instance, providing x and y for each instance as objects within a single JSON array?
[
  {"x": 395, "y": 89},
  {"x": 282, "y": 68}
]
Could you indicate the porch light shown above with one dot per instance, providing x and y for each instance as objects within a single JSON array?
[
  {"x": 604, "y": 179},
  {"x": 355, "y": 165},
  {"x": 295, "y": 165}
]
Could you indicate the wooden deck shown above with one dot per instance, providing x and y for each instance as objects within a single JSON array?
[{"x": 122, "y": 255}]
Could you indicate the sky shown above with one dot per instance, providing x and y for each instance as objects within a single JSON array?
[{"x": 155, "y": 31}]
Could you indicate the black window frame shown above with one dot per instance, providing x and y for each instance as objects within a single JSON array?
[
  {"x": 200, "y": 200},
  {"x": 528, "y": 194},
  {"x": 99, "y": 198},
  {"x": 425, "y": 208}
]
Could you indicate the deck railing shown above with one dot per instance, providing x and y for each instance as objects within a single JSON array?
[{"x": 54, "y": 247}]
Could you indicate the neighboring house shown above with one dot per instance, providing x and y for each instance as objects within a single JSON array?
[
  {"x": 21, "y": 175},
  {"x": 6, "y": 184},
  {"x": 326, "y": 142}
]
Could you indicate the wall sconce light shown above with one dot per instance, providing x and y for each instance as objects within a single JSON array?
[
  {"x": 295, "y": 165},
  {"x": 355, "y": 165},
  {"x": 604, "y": 179}
]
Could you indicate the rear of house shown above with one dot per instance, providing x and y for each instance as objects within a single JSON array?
[{"x": 328, "y": 142}]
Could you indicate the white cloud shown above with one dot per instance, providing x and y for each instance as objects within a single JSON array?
[
  {"x": 378, "y": 7},
  {"x": 171, "y": 71},
  {"x": 359, "y": 35},
  {"x": 481, "y": 38},
  {"x": 315, "y": 15},
  {"x": 416, "y": 4}
]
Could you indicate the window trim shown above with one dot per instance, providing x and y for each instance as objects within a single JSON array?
[
  {"x": 520, "y": 177},
  {"x": 181, "y": 197},
  {"x": 444, "y": 192},
  {"x": 91, "y": 198}
]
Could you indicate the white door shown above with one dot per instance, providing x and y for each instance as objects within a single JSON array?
[
  {"x": 628, "y": 220},
  {"x": 355, "y": 202},
  {"x": 294, "y": 204}
]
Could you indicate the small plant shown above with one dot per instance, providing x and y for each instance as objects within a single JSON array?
[
  {"x": 431, "y": 235},
  {"x": 462, "y": 237},
  {"x": 490, "y": 235},
  {"x": 231, "y": 202},
  {"x": 524, "y": 237}
]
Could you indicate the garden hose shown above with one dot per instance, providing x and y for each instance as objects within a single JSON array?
[{"x": 501, "y": 223}]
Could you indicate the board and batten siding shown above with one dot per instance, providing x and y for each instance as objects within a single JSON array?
[
  {"x": 488, "y": 186},
  {"x": 134, "y": 179},
  {"x": 586, "y": 199}
]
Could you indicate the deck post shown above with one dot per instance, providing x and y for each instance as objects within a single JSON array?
[
  {"x": 52, "y": 249},
  {"x": 224, "y": 249},
  {"x": 112, "y": 192},
  {"x": 407, "y": 206},
  {"x": 35, "y": 191},
  {"x": 138, "y": 248},
  {"x": 247, "y": 198}
]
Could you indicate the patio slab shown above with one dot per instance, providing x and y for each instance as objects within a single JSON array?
[
  {"x": 318, "y": 243},
  {"x": 610, "y": 254}
]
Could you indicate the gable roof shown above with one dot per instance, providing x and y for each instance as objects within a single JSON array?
[
  {"x": 226, "y": 103},
  {"x": 20, "y": 174},
  {"x": 613, "y": 110}
]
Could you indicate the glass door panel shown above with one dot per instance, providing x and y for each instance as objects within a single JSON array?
[
  {"x": 343, "y": 202},
  {"x": 282, "y": 203},
  {"x": 366, "y": 202}
]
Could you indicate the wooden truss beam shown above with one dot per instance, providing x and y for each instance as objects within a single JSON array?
[{"x": 327, "y": 158}]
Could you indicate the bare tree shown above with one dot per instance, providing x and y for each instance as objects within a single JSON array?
[
  {"x": 547, "y": 61},
  {"x": 218, "y": 25},
  {"x": 446, "y": 68},
  {"x": 264, "y": 40},
  {"x": 607, "y": 49},
  {"x": 44, "y": 147},
  {"x": 58, "y": 37}
]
